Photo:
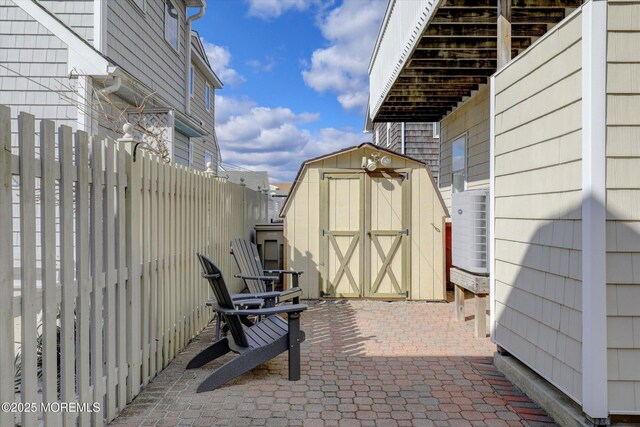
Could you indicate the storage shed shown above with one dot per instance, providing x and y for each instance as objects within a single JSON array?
[{"x": 366, "y": 222}]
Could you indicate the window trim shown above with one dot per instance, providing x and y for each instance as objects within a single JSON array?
[
  {"x": 140, "y": 9},
  {"x": 190, "y": 152},
  {"x": 465, "y": 168},
  {"x": 166, "y": 38},
  {"x": 207, "y": 96},
  {"x": 436, "y": 125},
  {"x": 192, "y": 82}
]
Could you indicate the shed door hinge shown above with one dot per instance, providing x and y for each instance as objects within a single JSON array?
[
  {"x": 405, "y": 231},
  {"x": 404, "y": 294}
]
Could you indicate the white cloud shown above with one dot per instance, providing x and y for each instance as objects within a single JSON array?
[
  {"x": 220, "y": 58},
  {"x": 273, "y": 139},
  {"x": 342, "y": 67},
  {"x": 271, "y": 9},
  {"x": 265, "y": 66}
]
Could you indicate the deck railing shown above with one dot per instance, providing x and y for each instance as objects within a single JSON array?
[{"x": 98, "y": 251}]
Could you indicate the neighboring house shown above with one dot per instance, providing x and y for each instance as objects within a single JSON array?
[
  {"x": 538, "y": 102},
  {"x": 94, "y": 64},
  {"x": 254, "y": 180},
  {"x": 278, "y": 193},
  {"x": 418, "y": 140}
]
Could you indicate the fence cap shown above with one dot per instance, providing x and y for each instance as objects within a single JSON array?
[{"x": 127, "y": 129}]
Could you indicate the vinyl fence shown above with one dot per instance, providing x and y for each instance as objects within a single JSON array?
[{"x": 98, "y": 251}]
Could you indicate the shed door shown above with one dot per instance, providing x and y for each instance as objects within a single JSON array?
[
  {"x": 388, "y": 228},
  {"x": 342, "y": 236}
]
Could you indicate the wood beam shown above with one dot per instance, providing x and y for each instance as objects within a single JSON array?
[
  {"x": 504, "y": 33},
  {"x": 415, "y": 64}
]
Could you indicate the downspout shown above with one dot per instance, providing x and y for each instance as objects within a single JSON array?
[
  {"x": 187, "y": 67},
  {"x": 402, "y": 138},
  {"x": 113, "y": 87}
]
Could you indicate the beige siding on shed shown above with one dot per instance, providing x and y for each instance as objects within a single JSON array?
[
  {"x": 472, "y": 119},
  {"x": 623, "y": 206},
  {"x": 538, "y": 182},
  {"x": 302, "y": 226}
]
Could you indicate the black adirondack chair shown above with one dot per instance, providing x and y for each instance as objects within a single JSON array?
[
  {"x": 254, "y": 345},
  {"x": 257, "y": 278}
]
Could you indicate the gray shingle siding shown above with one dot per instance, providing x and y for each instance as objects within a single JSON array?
[
  {"x": 181, "y": 149},
  {"x": 136, "y": 42},
  {"x": 37, "y": 79},
  {"x": 76, "y": 14}
]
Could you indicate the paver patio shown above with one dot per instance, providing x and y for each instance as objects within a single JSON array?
[{"x": 364, "y": 363}]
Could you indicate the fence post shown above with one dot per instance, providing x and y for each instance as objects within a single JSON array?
[
  {"x": 133, "y": 218},
  {"x": 6, "y": 267}
]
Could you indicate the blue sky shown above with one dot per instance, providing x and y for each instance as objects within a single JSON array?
[{"x": 295, "y": 77}]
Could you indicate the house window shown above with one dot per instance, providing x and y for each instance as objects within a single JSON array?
[
  {"x": 388, "y": 134},
  {"x": 190, "y": 152},
  {"x": 191, "y": 81},
  {"x": 207, "y": 97},
  {"x": 171, "y": 23},
  {"x": 377, "y": 141},
  {"x": 208, "y": 158},
  {"x": 459, "y": 164},
  {"x": 436, "y": 129}
]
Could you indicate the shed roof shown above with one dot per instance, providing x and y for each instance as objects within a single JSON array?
[
  {"x": 425, "y": 77},
  {"x": 306, "y": 163}
]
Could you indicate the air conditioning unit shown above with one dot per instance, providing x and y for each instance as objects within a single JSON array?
[{"x": 470, "y": 231}]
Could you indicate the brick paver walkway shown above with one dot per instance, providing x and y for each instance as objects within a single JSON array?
[{"x": 363, "y": 364}]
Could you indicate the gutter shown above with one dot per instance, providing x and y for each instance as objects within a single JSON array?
[{"x": 187, "y": 66}]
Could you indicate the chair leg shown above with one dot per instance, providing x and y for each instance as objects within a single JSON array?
[
  {"x": 215, "y": 350},
  {"x": 294, "y": 346},
  {"x": 241, "y": 364},
  {"x": 217, "y": 326}
]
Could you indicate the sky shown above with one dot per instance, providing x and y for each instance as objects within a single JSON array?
[{"x": 295, "y": 75}]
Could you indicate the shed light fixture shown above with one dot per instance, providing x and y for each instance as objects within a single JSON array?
[{"x": 376, "y": 160}]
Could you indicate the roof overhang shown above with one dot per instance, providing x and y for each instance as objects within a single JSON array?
[
  {"x": 431, "y": 55},
  {"x": 202, "y": 62}
]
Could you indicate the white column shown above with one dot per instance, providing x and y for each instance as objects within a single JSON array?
[
  {"x": 594, "y": 292},
  {"x": 492, "y": 203}
]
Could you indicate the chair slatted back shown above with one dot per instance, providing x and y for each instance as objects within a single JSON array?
[
  {"x": 223, "y": 298},
  {"x": 248, "y": 260}
]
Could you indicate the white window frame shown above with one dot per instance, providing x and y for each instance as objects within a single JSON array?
[
  {"x": 464, "y": 170},
  {"x": 377, "y": 142},
  {"x": 166, "y": 36},
  {"x": 190, "y": 152},
  {"x": 436, "y": 129},
  {"x": 207, "y": 96},
  {"x": 191, "y": 81}
]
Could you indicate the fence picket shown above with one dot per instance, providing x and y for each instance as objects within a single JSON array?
[
  {"x": 49, "y": 282},
  {"x": 145, "y": 296},
  {"x": 97, "y": 230},
  {"x": 29, "y": 382},
  {"x": 7, "y": 370},
  {"x": 82, "y": 271},
  {"x": 153, "y": 217},
  {"x": 67, "y": 305},
  {"x": 110, "y": 280}
]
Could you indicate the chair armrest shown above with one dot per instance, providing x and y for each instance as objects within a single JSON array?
[
  {"x": 290, "y": 308},
  {"x": 253, "y": 302},
  {"x": 264, "y": 278},
  {"x": 262, "y": 295},
  {"x": 292, "y": 272},
  {"x": 290, "y": 294}
]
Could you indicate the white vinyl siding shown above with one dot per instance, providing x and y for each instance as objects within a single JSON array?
[
  {"x": 538, "y": 207},
  {"x": 471, "y": 118},
  {"x": 623, "y": 207}
]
